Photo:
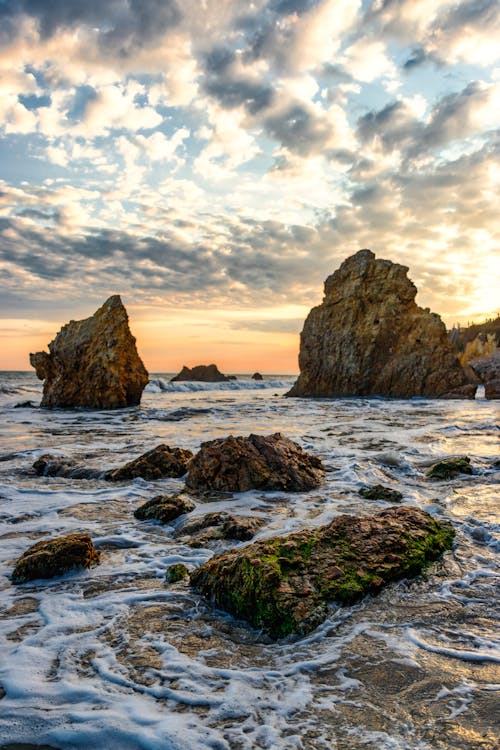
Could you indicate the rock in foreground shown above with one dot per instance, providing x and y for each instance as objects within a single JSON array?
[
  {"x": 488, "y": 372},
  {"x": 369, "y": 338},
  {"x": 55, "y": 557},
  {"x": 238, "y": 464},
  {"x": 159, "y": 462},
  {"x": 205, "y": 373},
  {"x": 93, "y": 363},
  {"x": 285, "y": 584}
]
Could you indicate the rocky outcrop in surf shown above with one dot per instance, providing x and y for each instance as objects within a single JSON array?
[
  {"x": 54, "y": 557},
  {"x": 285, "y": 584},
  {"x": 204, "y": 373},
  {"x": 164, "y": 508},
  {"x": 162, "y": 461},
  {"x": 369, "y": 338},
  {"x": 93, "y": 363},
  {"x": 238, "y": 464},
  {"x": 488, "y": 372}
]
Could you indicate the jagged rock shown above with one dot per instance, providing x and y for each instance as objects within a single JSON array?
[
  {"x": 285, "y": 584},
  {"x": 488, "y": 372},
  {"x": 369, "y": 338},
  {"x": 205, "y": 373},
  {"x": 54, "y": 557},
  {"x": 175, "y": 573},
  {"x": 159, "y": 462},
  {"x": 93, "y": 363},
  {"x": 257, "y": 376},
  {"x": 164, "y": 508},
  {"x": 379, "y": 492},
  {"x": 449, "y": 468},
  {"x": 214, "y": 526},
  {"x": 59, "y": 466},
  {"x": 238, "y": 464}
]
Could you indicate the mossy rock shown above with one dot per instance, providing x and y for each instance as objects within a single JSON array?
[
  {"x": 284, "y": 585},
  {"x": 54, "y": 557},
  {"x": 164, "y": 508},
  {"x": 175, "y": 573},
  {"x": 379, "y": 492},
  {"x": 449, "y": 468}
]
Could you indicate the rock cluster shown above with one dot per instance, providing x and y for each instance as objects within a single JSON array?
[
  {"x": 93, "y": 363},
  {"x": 205, "y": 373},
  {"x": 238, "y": 464},
  {"x": 54, "y": 557},
  {"x": 488, "y": 372},
  {"x": 285, "y": 584},
  {"x": 369, "y": 338}
]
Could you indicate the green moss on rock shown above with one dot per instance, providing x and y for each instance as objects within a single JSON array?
[
  {"x": 449, "y": 468},
  {"x": 54, "y": 557},
  {"x": 284, "y": 585},
  {"x": 176, "y": 573}
]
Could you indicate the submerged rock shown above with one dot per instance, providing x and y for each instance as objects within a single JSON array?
[
  {"x": 164, "y": 508},
  {"x": 175, "y": 573},
  {"x": 205, "y": 373},
  {"x": 214, "y": 526},
  {"x": 379, "y": 492},
  {"x": 449, "y": 468},
  {"x": 93, "y": 363},
  {"x": 488, "y": 372},
  {"x": 369, "y": 338},
  {"x": 238, "y": 464},
  {"x": 59, "y": 466},
  {"x": 285, "y": 584},
  {"x": 159, "y": 462},
  {"x": 55, "y": 557}
]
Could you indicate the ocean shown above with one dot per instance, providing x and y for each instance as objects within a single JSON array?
[{"x": 115, "y": 658}]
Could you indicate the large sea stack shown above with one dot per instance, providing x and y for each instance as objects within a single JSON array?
[
  {"x": 370, "y": 338},
  {"x": 93, "y": 363}
]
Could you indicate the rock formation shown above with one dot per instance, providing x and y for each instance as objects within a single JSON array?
[
  {"x": 205, "y": 373},
  {"x": 369, "y": 338},
  {"x": 164, "y": 508},
  {"x": 257, "y": 376},
  {"x": 55, "y": 557},
  {"x": 379, "y": 492},
  {"x": 213, "y": 527},
  {"x": 285, "y": 584},
  {"x": 449, "y": 468},
  {"x": 162, "y": 461},
  {"x": 93, "y": 363},
  {"x": 488, "y": 372},
  {"x": 238, "y": 464}
]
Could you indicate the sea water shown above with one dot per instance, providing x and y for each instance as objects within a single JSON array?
[{"x": 114, "y": 658}]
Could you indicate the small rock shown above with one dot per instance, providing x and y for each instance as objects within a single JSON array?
[
  {"x": 159, "y": 462},
  {"x": 257, "y": 376},
  {"x": 238, "y": 464},
  {"x": 54, "y": 557},
  {"x": 284, "y": 585},
  {"x": 176, "y": 573},
  {"x": 164, "y": 508},
  {"x": 215, "y": 526},
  {"x": 449, "y": 468},
  {"x": 59, "y": 466},
  {"x": 379, "y": 492},
  {"x": 205, "y": 373},
  {"x": 25, "y": 405}
]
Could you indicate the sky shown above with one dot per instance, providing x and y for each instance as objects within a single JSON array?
[{"x": 213, "y": 161}]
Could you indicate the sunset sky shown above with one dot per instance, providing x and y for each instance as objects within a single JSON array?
[{"x": 214, "y": 160}]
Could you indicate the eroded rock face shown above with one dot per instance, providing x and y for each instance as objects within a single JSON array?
[
  {"x": 55, "y": 557},
  {"x": 369, "y": 338},
  {"x": 93, "y": 363},
  {"x": 488, "y": 372},
  {"x": 205, "y": 373},
  {"x": 238, "y": 464},
  {"x": 159, "y": 462},
  {"x": 285, "y": 584}
]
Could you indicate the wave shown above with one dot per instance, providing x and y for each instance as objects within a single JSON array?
[{"x": 158, "y": 385}]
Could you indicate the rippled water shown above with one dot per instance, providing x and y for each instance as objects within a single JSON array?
[{"x": 113, "y": 658}]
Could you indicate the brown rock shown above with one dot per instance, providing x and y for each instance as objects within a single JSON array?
[
  {"x": 237, "y": 464},
  {"x": 369, "y": 338},
  {"x": 257, "y": 376},
  {"x": 54, "y": 557},
  {"x": 93, "y": 363},
  {"x": 164, "y": 508},
  {"x": 488, "y": 372},
  {"x": 215, "y": 526},
  {"x": 285, "y": 584},
  {"x": 205, "y": 373},
  {"x": 159, "y": 462}
]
